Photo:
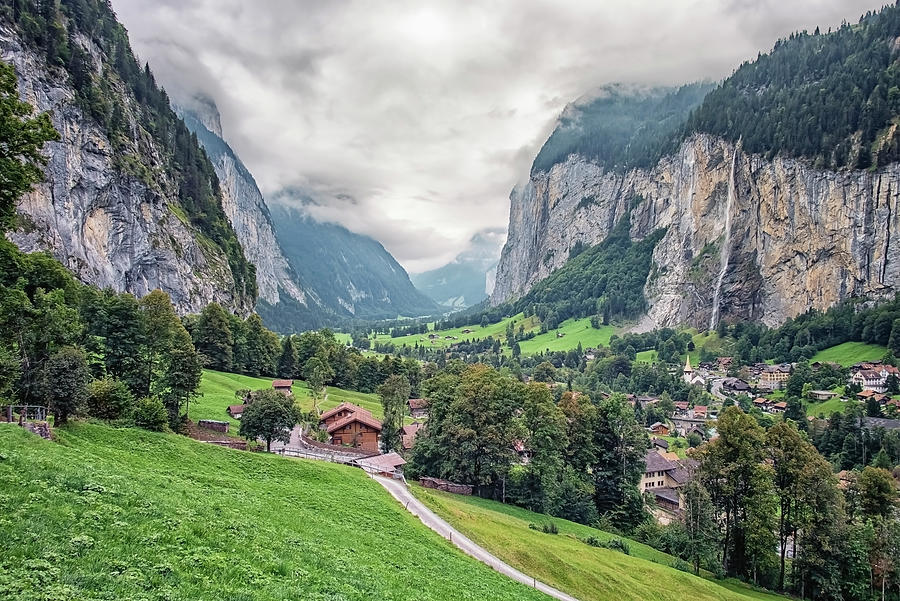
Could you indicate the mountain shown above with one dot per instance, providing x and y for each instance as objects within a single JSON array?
[
  {"x": 309, "y": 274},
  {"x": 351, "y": 275},
  {"x": 130, "y": 201},
  {"x": 244, "y": 205},
  {"x": 469, "y": 278},
  {"x": 776, "y": 193}
]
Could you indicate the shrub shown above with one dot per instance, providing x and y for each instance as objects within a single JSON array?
[
  {"x": 109, "y": 399},
  {"x": 618, "y": 544},
  {"x": 151, "y": 414},
  {"x": 549, "y": 528},
  {"x": 593, "y": 541},
  {"x": 682, "y": 565}
]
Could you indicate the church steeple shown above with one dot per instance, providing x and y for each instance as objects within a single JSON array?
[{"x": 687, "y": 365}]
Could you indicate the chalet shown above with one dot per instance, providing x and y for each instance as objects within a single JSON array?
[
  {"x": 351, "y": 425},
  {"x": 408, "y": 435},
  {"x": 700, "y": 411},
  {"x": 660, "y": 429},
  {"x": 681, "y": 408},
  {"x": 779, "y": 407},
  {"x": 762, "y": 404},
  {"x": 724, "y": 363},
  {"x": 773, "y": 377},
  {"x": 236, "y": 411},
  {"x": 383, "y": 465},
  {"x": 418, "y": 408},
  {"x": 735, "y": 385},
  {"x": 359, "y": 430},
  {"x": 284, "y": 386},
  {"x": 822, "y": 395},
  {"x": 340, "y": 412},
  {"x": 684, "y": 424}
]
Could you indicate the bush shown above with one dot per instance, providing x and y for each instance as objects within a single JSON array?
[
  {"x": 618, "y": 544},
  {"x": 593, "y": 541},
  {"x": 109, "y": 399},
  {"x": 549, "y": 528},
  {"x": 682, "y": 565},
  {"x": 151, "y": 414}
]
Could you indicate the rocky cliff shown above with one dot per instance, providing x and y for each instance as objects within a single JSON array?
[
  {"x": 745, "y": 237},
  {"x": 244, "y": 205},
  {"x": 114, "y": 220}
]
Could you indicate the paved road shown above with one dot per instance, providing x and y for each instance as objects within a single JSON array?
[{"x": 399, "y": 491}]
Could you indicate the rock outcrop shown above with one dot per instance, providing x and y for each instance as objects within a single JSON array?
[
  {"x": 113, "y": 223},
  {"x": 799, "y": 237},
  {"x": 244, "y": 205}
]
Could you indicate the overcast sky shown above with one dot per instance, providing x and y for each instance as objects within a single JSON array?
[{"x": 410, "y": 121}]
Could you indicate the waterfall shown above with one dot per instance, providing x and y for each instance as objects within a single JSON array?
[{"x": 725, "y": 250}]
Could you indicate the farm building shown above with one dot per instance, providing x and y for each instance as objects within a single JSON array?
[
  {"x": 660, "y": 429},
  {"x": 418, "y": 408},
  {"x": 284, "y": 386},
  {"x": 236, "y": 411},
  {"x": 383, "y": 465}
]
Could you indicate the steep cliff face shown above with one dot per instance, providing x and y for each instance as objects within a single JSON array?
[
  {"x": 244, "y": 205},
  {"x": 745, "y": 238},
  {"x": 114, "y": 223}
]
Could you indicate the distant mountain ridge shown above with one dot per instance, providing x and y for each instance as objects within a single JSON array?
[
  {"x": 469, "y": 278},
  {"x": 350, "y": 274},
  {"x": 309, "y": 274}
]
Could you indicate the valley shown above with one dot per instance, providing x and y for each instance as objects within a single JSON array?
[{"x": 672, "y": 372}]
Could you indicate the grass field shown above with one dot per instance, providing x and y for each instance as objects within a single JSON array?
[
  {"x": 575, "y": 330},
  {"x": 848, "y": 353},
  {"x": 826, "y": 408},
  {"x": 130, "y": 514},
  {"x": 218, "y": 390},
  {"x": 495, "y": 330},
  {"x": 563, "y": 561}
]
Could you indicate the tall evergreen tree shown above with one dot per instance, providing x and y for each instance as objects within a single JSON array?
[{"x": 212, "y": 337}]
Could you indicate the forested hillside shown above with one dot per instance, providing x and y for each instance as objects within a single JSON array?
[
  {"x": 828, "y": 97},
  {"x": 153, "y": 155},
  {"x": 622, "y": 127}
]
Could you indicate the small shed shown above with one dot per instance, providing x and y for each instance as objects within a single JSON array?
[
  {"x": 236, "y": 411},
  {"x": 212, "y": 424},
  {"x": 285, "y": 386},
  {"x": 418, "y": 408}
]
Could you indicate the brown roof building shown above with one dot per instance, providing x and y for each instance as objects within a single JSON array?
[{"x": 351, "y": 425}]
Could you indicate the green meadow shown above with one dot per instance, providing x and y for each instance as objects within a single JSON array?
[
  {"x": 565, "y": 562},
  {"x": 128, "y": 514},
  {"x": 848, "y": 353}
]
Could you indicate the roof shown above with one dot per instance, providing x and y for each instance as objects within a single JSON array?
[
  {"x": 655, "y": 424},
  {"x": 343, "y": 407},
  {"x": 385, "y": 463},
  {"x": 282, "y": 383},
  {"x": 661, "y": 443},
  {"x": 880, "y": 422},
  {"x": 418, "y": 403},
  {"x": 656, "y": 462},
  {"x": 412, "y": 429},
  {"x": 667, "y": 494},
  {"x": 700, "y": 408},
  {"x": 361, "y": 417},
  {"x": 236, "y": 408},
  {"x": 781, "y": 405}
]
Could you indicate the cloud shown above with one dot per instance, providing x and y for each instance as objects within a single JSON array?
[{"x": 411, "y": 121}]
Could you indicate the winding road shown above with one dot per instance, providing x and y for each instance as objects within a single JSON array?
[{"x": 399, "y": 491}]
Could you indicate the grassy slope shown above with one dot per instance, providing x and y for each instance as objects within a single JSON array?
[
  {"x": 849, "y": 353},
  {"x": 826, "y": 407},
  {"x": 129, "y": 514},
  {"x": 589, "y": 573},
  {"x": 575, "y": 330},
  {"x": 495, "y": 330},
  {"x": 218, "y": 390}
]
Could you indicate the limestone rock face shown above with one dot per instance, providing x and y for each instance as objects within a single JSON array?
[
  {"x": 798, "y": 238},
  {"x": 111, "y": 225},
  {"x": 244, "y": 206}
]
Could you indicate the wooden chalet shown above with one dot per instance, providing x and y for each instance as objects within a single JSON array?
[
  {"x": 284, "y": 386},
  {"x": 418, "y": 408},
  {"x": 351, "y": 425}
]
